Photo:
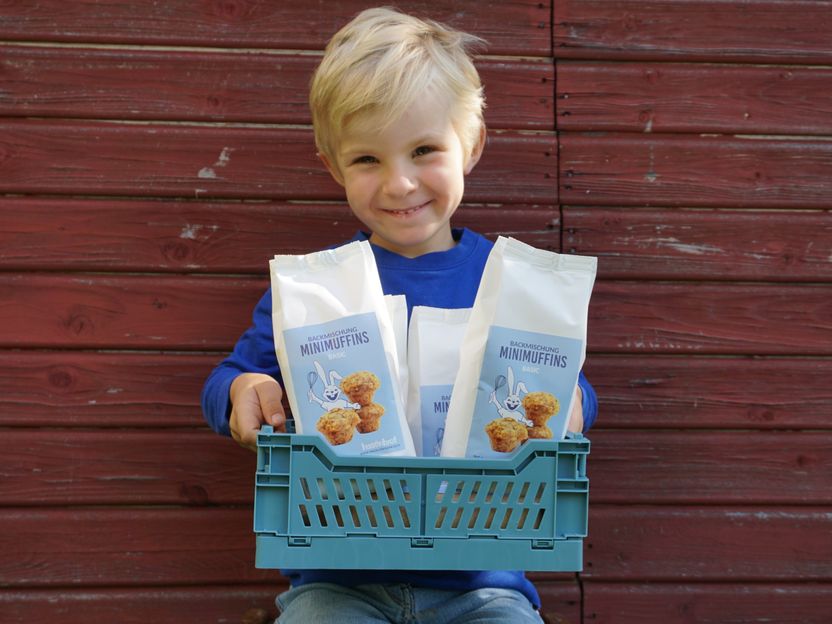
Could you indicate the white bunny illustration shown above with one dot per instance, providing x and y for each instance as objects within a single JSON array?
[
  {"x": 508, "y": 409},
  {"x": 331, "y": 392}
]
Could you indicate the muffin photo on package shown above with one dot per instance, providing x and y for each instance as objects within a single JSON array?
[
  {"x": 522, "y": 352},
  {"x": 338, "y": 425},
  {"x": 336, "y": 347}
]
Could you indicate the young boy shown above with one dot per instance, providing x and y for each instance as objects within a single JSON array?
[{"x": 397, "y": 112}]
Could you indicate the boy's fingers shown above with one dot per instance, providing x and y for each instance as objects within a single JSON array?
[
  {"x": 278, "y": 422},
  {"x": 256, "y": 400},
  {"x": 244, "y": 429},
  {"x": 249, "y": 439},
  {"x": 270, "y": 396}
]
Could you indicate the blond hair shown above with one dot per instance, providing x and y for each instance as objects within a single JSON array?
[{"x": 381, "y": 62}]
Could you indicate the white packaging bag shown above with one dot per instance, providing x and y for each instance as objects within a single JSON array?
[
  {"x": 397, "y": 308},
  {"x": 522, "y": 352},
  {"x": 434, "y": 340},
  {"x": 336, "y": 348}
]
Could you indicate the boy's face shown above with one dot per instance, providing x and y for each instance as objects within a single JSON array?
[{"x": 405, "y": 182}]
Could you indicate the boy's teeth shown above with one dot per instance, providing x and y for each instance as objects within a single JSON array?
[{"x": 407, "y": 210}]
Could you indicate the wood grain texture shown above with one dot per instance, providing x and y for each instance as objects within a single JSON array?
[
  {"x": 183, "y": 605},
  {"x": 60, "y": 467},
  {"x": 686, "y": 170},
  {"x": 519, "y": 27},
  {"x": 695, "y": 98},
  {"x": 46, "y": 234},
  {"x": 704, "y": 244},
  {"x": 661, "y": 392},
  {"x": 694, "y": 544},
  {"x": 229, "y": 162},
  {"x": 128, "y": 547},
  {"x": 707, "y": 603},
  {"x": 702, "y": 30},
  {"x": 710, "y": 468},
  {"x": 709, "y": 318},
  {"x": 102, "y": 390},
  {"x": 209, "y": 313},
  {"x": 126, "y": 312},
  {"x": 247, "y": 87}
]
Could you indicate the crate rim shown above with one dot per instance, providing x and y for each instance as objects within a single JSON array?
[{"x": 517, "y": 458}]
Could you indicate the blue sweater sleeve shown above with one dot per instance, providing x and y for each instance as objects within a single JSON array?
[
  {"x": 589, "y": 403},
  {"x": 253, "y": 353}
]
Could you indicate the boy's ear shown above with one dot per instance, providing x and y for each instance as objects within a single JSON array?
[
  {"x": 476, "y": 152},
  {"x": 332, "y": 168}
]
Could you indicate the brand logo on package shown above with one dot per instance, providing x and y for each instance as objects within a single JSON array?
[{"x": 343, "y": 384}]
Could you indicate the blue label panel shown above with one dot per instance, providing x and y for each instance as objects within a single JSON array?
[
  {"x": 517, "y": 363},
  {"x": 434, "y": 402},
  {"x": 320, "y": 357}
]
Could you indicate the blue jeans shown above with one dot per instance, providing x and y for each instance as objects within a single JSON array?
[{"x": 326, "y": 603}]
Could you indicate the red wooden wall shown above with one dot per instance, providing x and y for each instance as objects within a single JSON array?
[
  {"x": 151, "y": 161},
  {"x": 696, "y": 162}
]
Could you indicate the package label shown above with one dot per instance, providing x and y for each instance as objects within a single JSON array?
[
  {"x": 525, "y": 389},
  {"x": 343, "y": 384},
  {"x": 434, "y": 407}
]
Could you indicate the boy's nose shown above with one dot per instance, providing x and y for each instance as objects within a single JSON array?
[{"x": 400, "y": 181}]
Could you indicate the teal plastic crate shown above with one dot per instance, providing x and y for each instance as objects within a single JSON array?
[{"x": 315, "y": 509}]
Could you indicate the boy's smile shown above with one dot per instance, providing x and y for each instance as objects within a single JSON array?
[{"x": 405, "y": 181}]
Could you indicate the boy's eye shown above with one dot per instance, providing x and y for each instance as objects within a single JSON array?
[
  {"x": 364, "y": 160},
  {"x": 423, "y": 149}
]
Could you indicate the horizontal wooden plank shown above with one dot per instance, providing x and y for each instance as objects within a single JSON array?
[
  {"x": 86, "y": 389},
  {"x": 656, "y": 392},
  {"x": 64, "y": 467},
  {"x": 710, "y": 244},
  {"x": 184, "y": 605},
  {"x": 210, "y": 313},
  {"x": 234, "y": 162},
  {"x": 164, "y": 547},
  {"x": 795, "y": 31},
  {"x": 188, "y": 236},
  {"x": 686, "y": 97},
  {"x": 185, "y": 236},
  {"x": 729, "y": 318},
  {"x": 660, "y": 603},
  {"x": 733, "y": 544},
  {"x": 703, "y": 467},
  {"x": 684, "y": 170},
  {"x": 137, "y": 311},
  {"x": 61, "y": 467},
  {"x": 94, "y": 83},
  {"x": 521, "y": 27}
]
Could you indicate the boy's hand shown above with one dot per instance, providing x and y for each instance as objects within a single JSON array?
[
  {"x": 576, "y": 418},
  {"x": 255, "y": 400}
]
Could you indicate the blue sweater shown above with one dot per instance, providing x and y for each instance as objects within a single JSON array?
[{"x": 447, "y": 279}]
